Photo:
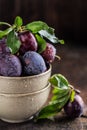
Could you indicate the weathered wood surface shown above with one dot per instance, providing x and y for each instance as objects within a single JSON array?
[
  {"x": 73, "y": 65},
  {"x": 60, "y": 123}
]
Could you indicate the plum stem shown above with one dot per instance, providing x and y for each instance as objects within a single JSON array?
[
  {"x": 58, "y": 57},
  {"x": 76, "y": 90}
]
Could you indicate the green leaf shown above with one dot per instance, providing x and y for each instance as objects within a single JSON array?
[
  {"x": 36, "y": 26},
  {"x": 5, "y": 32},
  {"x": 59, "y": 93},
  {"x": 60, "y": 102},
  {"x": 53, "y": 108},
  {"x": 72, "y": 96},
  {"x": 51, "y": 30},
  {"x": 44, "y": 30},
  {"x": 63, "y": 102},
  {"x": 61, "y": 41},
  {"x": 13, "y": 42},
  {"x": 18, "y": 21},
  {"x": 49, "y": 36},
  {"x": 48, "y": 111},
  {"x": 59, "y": 80},
  {"x": 41, "y": 43},
  {"x": 57, "y": 90}
]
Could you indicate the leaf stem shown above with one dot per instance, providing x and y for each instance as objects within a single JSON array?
[{"x": 4, "y": 23}]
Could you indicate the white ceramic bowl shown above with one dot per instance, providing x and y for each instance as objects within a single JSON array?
[
  {"x": 19, "y": 107},
  {"x": 25, "y": 84}
]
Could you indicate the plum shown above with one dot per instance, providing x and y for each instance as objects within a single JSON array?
[
  {"x": 3, "y": 47},
  {"x": 33, "y": 63},
  {"x": 74, "y": 109},
  {"x": 10, "y": 65},
  {"x": 49, "y": 53},
  {"x": 28, "y": 42}
]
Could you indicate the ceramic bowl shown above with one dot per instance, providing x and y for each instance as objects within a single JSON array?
[
  {"x": 16, "y": 108},
  {"x": 24, "y": 84}
]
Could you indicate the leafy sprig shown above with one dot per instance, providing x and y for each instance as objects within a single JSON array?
[
  {"x": 40, "y": 30},
  {"x": 62, "y": 92}
]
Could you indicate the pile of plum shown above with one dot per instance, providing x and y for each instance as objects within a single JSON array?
[{"x": 27, "y": 61}]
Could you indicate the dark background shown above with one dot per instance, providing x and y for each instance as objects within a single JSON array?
[{"x": 68, "y": 17}]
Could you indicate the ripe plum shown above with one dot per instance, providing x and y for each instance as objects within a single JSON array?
[
  {"x": 28, "y": 42},
  {"x": 10, "y": 65},
  {"x": 3, "y": 47},
  {"x": 49, "y": 53},
  {"x": 75, "y": 108},
  {"x": 33, "y": 63}
]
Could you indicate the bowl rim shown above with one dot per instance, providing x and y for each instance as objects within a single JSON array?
[
  {"x": 25, "y": 94},
  {"x": 28, "y": 77}
]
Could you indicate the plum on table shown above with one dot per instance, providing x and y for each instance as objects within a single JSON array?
[{"x": 75, "y": 108}]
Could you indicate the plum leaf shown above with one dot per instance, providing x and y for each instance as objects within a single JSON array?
[
  {"x": 48, "y": 111},
  {"x": 44, "y": 30},
  {"x": 50, "y": 37},
  {"x": 13, "y": 42},
  {"x": 41, "y": 43},
  {"x": 18, "y": 21},
  {"x": 59, "y": 80},
  {"x": 36, "y": 26},
  {"x": 72, "y": 96},
  {"x": 5, "y": 32},
  {"x": 61, "y": 93},
  {"x": 53, "y": 108}
]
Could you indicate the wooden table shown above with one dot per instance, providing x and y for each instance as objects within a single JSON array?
[{"x": 73, "y": 66}]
